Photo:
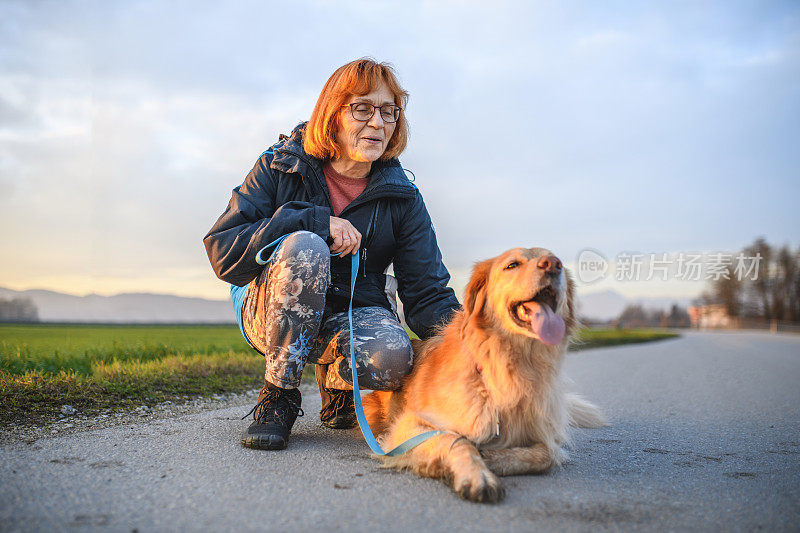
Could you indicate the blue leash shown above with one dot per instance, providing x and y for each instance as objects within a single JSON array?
[{"x": 362, "y": 419}]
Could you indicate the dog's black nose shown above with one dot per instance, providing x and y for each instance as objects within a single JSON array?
[{"x": 550, "y": 264}]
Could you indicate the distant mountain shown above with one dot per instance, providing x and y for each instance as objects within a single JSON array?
[
  {"x": 125, "y": 308},
  {"x": 608, "y": 304},
  {"x": 603, "y": 305},
  {"x": 167, "y": 308}
]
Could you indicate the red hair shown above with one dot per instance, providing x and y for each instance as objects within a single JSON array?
[{"x": 358, "y": 77}]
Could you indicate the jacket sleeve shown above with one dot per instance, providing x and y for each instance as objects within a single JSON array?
[
  {"x": 421, "y": 275},
  {"x": 252, "y": 220}
]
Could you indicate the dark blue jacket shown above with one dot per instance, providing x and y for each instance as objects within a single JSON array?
[{"x": 286, "y": 191}]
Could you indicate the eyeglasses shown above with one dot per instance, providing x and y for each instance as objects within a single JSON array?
[{"x": 363, "y": 111}]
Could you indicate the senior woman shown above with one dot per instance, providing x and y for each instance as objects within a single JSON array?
[{"x": 334, "y": 186}]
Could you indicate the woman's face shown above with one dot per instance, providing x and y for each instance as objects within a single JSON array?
[{"x": 365, "y": 142}]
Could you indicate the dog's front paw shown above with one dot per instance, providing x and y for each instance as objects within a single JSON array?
[{"x": 481, "y": 486}]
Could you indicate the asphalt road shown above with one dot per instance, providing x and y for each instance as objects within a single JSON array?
[{"x": 705, "y": 435}]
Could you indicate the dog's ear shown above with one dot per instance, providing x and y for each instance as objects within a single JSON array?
[{"x": 475, "y": 293}]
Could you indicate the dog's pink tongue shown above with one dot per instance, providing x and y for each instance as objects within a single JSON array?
[{"x": 547, "y": 325}]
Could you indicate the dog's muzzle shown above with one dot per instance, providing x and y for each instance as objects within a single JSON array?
[{"x": 539, "y": 315}]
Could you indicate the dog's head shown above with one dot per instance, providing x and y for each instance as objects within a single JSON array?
[{"x": 524, "y": 291}]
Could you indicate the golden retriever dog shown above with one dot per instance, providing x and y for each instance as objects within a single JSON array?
[{"x": 491, "y": 379}]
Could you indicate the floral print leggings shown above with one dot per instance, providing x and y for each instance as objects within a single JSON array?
[{"x": 284, "y": 319}]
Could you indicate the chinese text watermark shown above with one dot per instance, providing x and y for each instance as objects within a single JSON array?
[{"x": 683, "y": 266}]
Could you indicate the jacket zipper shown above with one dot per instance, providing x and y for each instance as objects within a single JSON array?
[{"x": 368, "y": 239}]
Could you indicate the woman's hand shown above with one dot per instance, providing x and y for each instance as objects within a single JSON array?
[{"x": 346, "y": 238}]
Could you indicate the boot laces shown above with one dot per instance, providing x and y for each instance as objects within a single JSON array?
[{"x": 274, "y": 407}]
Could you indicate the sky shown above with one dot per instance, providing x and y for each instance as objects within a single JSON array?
[{"x": 621, "y": 127}]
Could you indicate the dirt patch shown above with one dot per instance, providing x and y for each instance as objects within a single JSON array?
[
  {"x": 83, "y": 520},
  {"x": 739, "y": 475},
  {"x": 106, "y": 464},
  {"x": 67, "y": 460},
  {"x": 27, "y": 434},
  {"x": 598, "y": 513},
  {"x": 655, "y": 450}
]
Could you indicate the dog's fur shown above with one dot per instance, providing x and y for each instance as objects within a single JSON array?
[{"x": 482, "y": 368}]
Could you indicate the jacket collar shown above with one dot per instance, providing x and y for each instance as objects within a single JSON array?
[{"x": 387, "y": 178}]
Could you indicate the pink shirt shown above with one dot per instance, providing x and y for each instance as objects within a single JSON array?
[{"x": 343, "y": 189}]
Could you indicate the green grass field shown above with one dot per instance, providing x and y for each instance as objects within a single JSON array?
[
  {"x": 91, "y": 368},
  {"x": 94, "y": 367}
]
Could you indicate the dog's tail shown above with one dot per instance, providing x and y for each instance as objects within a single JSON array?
[
  {"x": 583, "y": 414},
  {"x": 376, "y": 408}
]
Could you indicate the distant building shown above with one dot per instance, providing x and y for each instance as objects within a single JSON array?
[
  {"x": 711, "y": 316},
  {"x": 714, "y": 316}
]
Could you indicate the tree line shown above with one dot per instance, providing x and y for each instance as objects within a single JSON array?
[
  {"x": 772, "y": 292},
  {"x": 18, "y": 310},
  {"x": 636, "y": 316}
]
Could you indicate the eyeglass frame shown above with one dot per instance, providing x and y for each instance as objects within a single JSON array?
[{"x": 374, "y": 107}]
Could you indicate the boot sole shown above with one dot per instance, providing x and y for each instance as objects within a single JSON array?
[
  {"x": 340, "y": 424},
  {"x": 263, "y": 443}
]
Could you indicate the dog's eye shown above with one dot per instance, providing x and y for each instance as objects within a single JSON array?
[{"x": 511, "y": 265}]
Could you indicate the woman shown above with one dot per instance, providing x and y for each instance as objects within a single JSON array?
[{"x": 335, "y": 187}]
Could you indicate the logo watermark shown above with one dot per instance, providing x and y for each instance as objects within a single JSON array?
[
  {"x": 592, "y": 266},
  {"x": 683, "y": 266}
]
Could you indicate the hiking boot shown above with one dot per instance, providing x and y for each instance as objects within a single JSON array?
[
  {"x": 273, "y": 417},
  {"x": 338, "y": 410}
]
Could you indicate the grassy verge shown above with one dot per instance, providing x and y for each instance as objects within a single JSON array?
[
  {"x": 37, "y": 396},
  {"x": 598, "y": 338},
  {"x": 93, "y": 368}
]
